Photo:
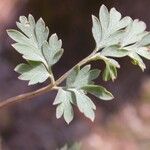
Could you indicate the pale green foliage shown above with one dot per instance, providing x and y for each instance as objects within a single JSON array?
[
  {"x": 107, "y": 31},
  {"x": 115, "y": 37},
  {"x": 98, "y": 91},
  {"x": 34, "y": 72},
  {"x": 120, "y": 37},
  {"x": 78, "y": 84},
  {"x": 52, "y": 51},
  {"x": 33, "y": 45},
  {"x": 80, "y": 78},
  {"x": 64, "y": 99}
]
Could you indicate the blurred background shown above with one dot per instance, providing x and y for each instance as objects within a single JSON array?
[{"x": 123, "y": 123}]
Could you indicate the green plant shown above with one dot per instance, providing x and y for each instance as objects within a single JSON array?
[{"x": 115, "y": 37}]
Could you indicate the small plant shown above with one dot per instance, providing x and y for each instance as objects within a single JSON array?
[{"x": 115, "y": 37}]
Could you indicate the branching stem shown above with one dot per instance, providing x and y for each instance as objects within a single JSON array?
[{"x": 50, "y": 87}]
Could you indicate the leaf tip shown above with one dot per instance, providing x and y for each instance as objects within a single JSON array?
[
  {"x": 68, "y": 121},
  {"x": 94, "y": 18},
  {"x": 103, "y": 7},
  {"x": 9, "y": 31},
  {"x": 92, "y": 118}
]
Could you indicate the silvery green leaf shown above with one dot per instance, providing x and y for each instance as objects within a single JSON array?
[
  {"x": 104, "y": 17},
  {"x": 116, "y": 23},
  {"x": 52, "y": 51},
  {"x": 83, "y": 77},
  {"x": 137, "y": 60},
  {"x": 41, "y": 32},
  {"x": 107, "y": 29},
  {"x": 112, "y": 39},
  {"x": 59, "y": 111},
  {"x": 18, "y": 36},
  {"x": 107, "y": 60},
  {"x": 27, "y": 25},
  {"x": 110, "y": 73},
  {"x": 96, "y": 30},
  {"x": 28, "y": 28},
  {"x": 29, "y": 52},
  {"x": 145, "y": 41},
  {"x": 32, "y": 72},
  {"x": 85, "y": 105},
  {"x": 114, "y": 20},
  {"x": 72, "y": 76},
  {"x": 31, "y": 42},
  {"x": 63, "y": 100},
  {"x": 114, "y": 51},
  {"x": 135, "y": 51},
  {"x": 78, "y": 83},
  {"x": 144, "y": 52},
  {"x": 120, "y": 37},
  {"x": 134, "y": 33},
  {"x": 98, "y": 91}
]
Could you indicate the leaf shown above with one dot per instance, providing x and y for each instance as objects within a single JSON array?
[
  {"x": 41, "y": 32},
  {"x": 85, "y": 105},
  {"x": 107, "y": 29},
  {"x": 78, "y": 83},
  {"x": 144, "y": 52},
  {"x": 119, "y": 38},
  {"x": 96, "y": 30},
  {"x": 98, "y": 91},
  {"x": 137, "y": 60},
  {"x": 29, "y": 52},
  {"x": 79, "y": 78},
  {"x": 52, "y": 51},
  {"x": 145, "y": 40},
  {"x": 63, "y": 100},
  {"x": 110, "y": 73},
  {"x": 33, "y": 42},
  {"x": 18, "y": 36},
  {"x": 72, "y": 76},
  {"x": 33, "y": 72},
  {"x": 104, "y": 17},
  {"x": 113, "y": 39},
  {"x": 114, "y": 51},
  {"x": 135, "y": 51},
  {"x": 134, "y": 33},
  {"x": 111, "y": 61}
]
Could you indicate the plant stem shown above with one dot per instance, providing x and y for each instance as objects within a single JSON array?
[{"x": 50, "y": 87}]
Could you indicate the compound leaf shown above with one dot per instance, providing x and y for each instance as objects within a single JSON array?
[
  {"x": 107, "y": 29},
  {"x": 32, "y": 42},
  {"x": 79, "y": 78}
]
